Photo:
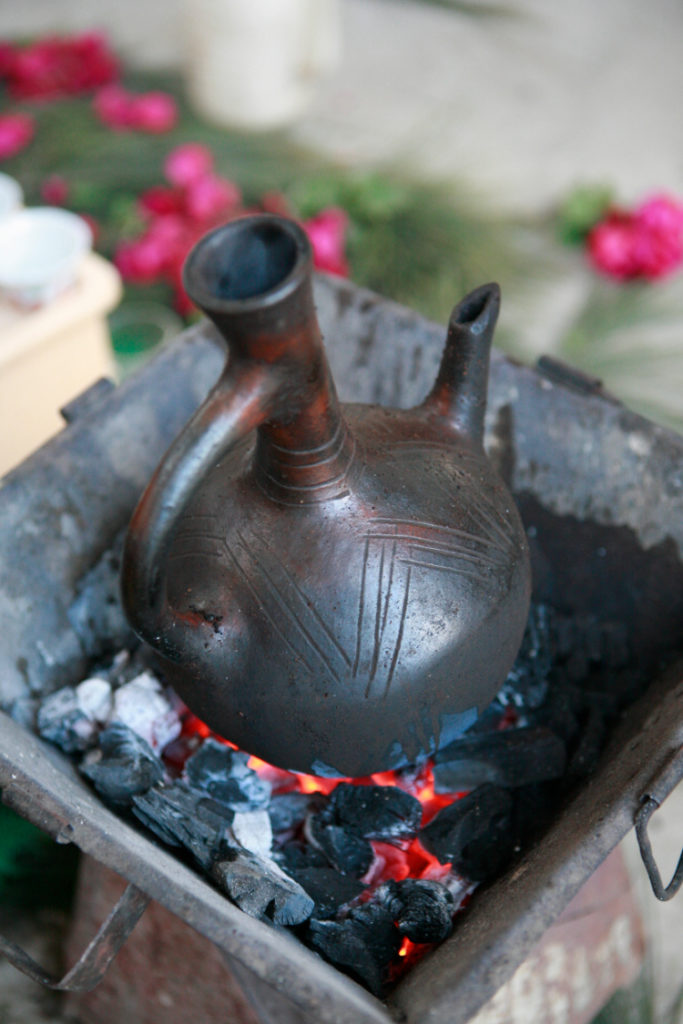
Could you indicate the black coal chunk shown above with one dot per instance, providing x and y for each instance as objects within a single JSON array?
[
  {"x": 474, "y": 834},
  {"x": 364, "y": 942},
  {"x": 346, "y": 851},
  {"x": 182, "y": 816},
  {"x": 260, "y": 888},
  {"x": 509, "y": 757},
  {"x": 123, "y": 765},
  {"x": 526, "y": 683},
  {"x": 374, "y": 812},
  {"x": 223, "y": 773},
  {"x": 329, "y": 889},
  {"x": 289, "y": 810},
  {"x": 423, "y": 908}
]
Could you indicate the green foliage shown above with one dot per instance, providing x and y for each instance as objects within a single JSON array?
[
  {"x": 34, "y": 870},
  {"x": 581, "y": 210}
]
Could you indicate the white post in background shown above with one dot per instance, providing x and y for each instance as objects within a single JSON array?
[{"x": 255, "y": 64}]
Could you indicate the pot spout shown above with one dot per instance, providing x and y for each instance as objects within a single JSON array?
[{"x": 460, "y": 391}]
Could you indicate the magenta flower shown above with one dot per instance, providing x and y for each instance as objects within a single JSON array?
[
  {"x": 55, "y": 190},
  {"x": 146, "y": 112},
  {"x": 53, "y": 67},
  {"x": 141, "y": 261},
  {"x": 647, "y": 243},
  {"x": 327, "y": 233},
  {"x": 611, "y": 246},
  {"x": 211, "y": 198},
  {"x": 155, "y": 112},
  {"x": 16, "y": 131},
  {"x": 188, "y": 163},
  {"x": 112, "y": 106}
]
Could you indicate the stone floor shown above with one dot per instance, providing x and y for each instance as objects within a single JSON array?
[{"x": 523, "y": 99}]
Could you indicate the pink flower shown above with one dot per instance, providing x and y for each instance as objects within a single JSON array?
[
  {"x": 53, "y": 67},
  {"x": 153, "y": 112},
  {"x": 210, "y": 198},
  {"x": 112, "y": 105},
  {"x": 141, "y": 261},
  {"x": 327, "y": 232},
  {"x": 55, "y": 190},
  {"x": 160, "y": 200},
  {"x": 7, "y": 53},
  {"x": 647, "y": 243},
  {"x": 188, "y": 163},
  {"x": 16, "y": 131},
  {"x": 611, "y": 246}
]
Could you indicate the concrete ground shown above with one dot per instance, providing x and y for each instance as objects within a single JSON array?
[{"x": 521, "y": 99}]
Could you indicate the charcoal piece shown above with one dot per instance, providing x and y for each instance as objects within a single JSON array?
[
  {"x": 63, "y": 720},
  {"x": 181, "y": 816},
  {"x": 297, "y": 856},
  {"x": 560, "y": 712},
  {"x": 526, "y": 683},
  {"x": 364, "y": 943},
  {"x": 347, "y": 852},
  {"x": 224, "y": 774},
  {"x": 289, "y": 810},
  {"x": 509, "y": 757},
  {"x": 615, "y": 652},
  {"x": 474, "y": 833},
  {"x": 425, "y": 910},
  {"x": 329, "y": 889},
  {"x": 374, "y": 812},
  {"x": 123, "y": 765},
  {"x": 260, "y": 888}
]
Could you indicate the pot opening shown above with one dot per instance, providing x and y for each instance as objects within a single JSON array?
[{"x": 245, "y": 260}]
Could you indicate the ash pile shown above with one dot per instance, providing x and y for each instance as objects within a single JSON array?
[{"x": 369, "y": 873}]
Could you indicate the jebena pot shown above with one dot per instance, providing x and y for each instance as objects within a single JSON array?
[{"x": 336, "y": 589}]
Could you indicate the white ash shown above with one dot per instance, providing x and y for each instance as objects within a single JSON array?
[
  {"x": 95, "y": 697},
  {"x": 142, "y": 706},
  {"x": 252, "y": 830}
]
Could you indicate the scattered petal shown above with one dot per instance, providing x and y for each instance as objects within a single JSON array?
[
  {"x": 16, "y": 131},
  {"x": 188, "y": 163}
]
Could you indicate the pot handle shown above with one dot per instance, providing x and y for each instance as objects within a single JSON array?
[{"x": 240, "y": 401}]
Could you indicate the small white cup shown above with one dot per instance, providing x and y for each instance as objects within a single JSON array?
[{"x": 41, "y": 249}]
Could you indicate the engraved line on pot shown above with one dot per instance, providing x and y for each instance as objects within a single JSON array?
[
  {"x": 456, "y": 569},
  {"x": 378, "y": 620},
  {"x": 289, "y": 614},
  {"x": 361, "y": 606},
  {"x": 258, "y": 598},
  {"x": 307, "y": 606},
  {"x": 399, "y": 639},
  {"x": 437, "y": 528},
  {"x": 338, "y": 435},
  {"x": 437, "y": 548}
]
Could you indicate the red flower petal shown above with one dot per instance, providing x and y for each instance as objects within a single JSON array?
[
  {"x": 327, "y": 232},
  {"x": 153, "y": 112},
  {"x": 16, "y": 131}
]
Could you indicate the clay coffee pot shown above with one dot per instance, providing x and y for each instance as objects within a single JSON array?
[{"x": 336, "y": 589}]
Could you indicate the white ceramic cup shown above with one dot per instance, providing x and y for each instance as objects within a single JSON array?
[
  {"x": 11, "y": 195},
  {"x": 41, "y": 249}
]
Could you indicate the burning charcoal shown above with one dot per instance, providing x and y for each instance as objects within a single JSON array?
[
  {"x": 181, "y": 816},
  {"x": 365, "y": 942},
  {"x": 374, "y": 812},
  {"x": 260, "y": 888},
  {"x": 68, "y": 717},
  {"x": 141, "y": 706},
  {"x": 474, "y": 833},
  {"x": 425, "y": 910},
  {"x": 511, "y": 757},
  {"x": 223, "y": 772},
  {"x": 526, "y": 684},
  {"x": 95, "y": 697},
  {"x": 122, "y": 766},
  {"x": 289, "y": 810},
  {"x": 252, "y": 830},
  {"x": 347, "y": 852},
  {"x": 328, "y": 888}
]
